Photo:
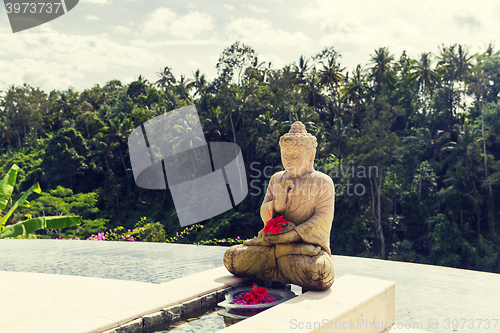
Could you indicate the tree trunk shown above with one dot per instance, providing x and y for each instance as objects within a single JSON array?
[
  {"x": 478, "y": 225},
  {"x": 461, "y": 218},
  {"x": 123, "y": 162},
  {"x": 377, "y": 214},
  {"x": 420, "y": 185},
  {"x": 18, "y": 139}
]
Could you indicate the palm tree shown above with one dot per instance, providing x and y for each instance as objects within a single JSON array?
[
  {"x": 463, "y": 64},
  {"x": 463, "y": 152},
  {"x": 455, "y": 66},
  {"x": 102, "y": 151},
  {"x": 255, "y": 71},
  {"x": 338, "y": 136},
  {"x": 119, "y": 130},
  {"x": 199, "y": 84},
  {"x": 435, "y": 143},
  {"x": 301, "y": 70},
  {"x": 356, "y": 87},
  {"x": 331, "y": 75},
  {"x": 424, "y": 78},
  {"x": 187, "y": 134},
  {"x": 381, "y": 72},
  {"x": 311, "y": 88},
  {"x": 265, "y": 124},
  {"x": 461, "y": 190},
  {"x": 188, "y": 137},
  {"x": 166, "y": 78},
  {"x": 213, "y": 124}
]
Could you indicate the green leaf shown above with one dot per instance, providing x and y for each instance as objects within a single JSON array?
[
  {"x": 24, "y": 228},
  {"x": 21, "y": 202},
  {"x": 7, "y": 186}
]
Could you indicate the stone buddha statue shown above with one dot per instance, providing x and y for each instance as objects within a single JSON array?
[{"x": 300, "y": 252}]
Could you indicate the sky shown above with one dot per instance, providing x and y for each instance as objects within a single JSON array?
[{"x": 102, "y": 40}]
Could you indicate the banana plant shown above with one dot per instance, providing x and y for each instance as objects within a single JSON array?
[{"x": 25, "y": 228}]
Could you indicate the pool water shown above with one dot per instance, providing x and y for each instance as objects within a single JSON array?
[{"x": 209, "y": 322}]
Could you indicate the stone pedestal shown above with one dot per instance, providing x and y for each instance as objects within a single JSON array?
[{"x": 353, "y": 304}]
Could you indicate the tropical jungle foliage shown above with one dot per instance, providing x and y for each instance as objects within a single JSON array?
[
  {"x": 24, "y": 229},
  {"x": 413, "y": 146}
]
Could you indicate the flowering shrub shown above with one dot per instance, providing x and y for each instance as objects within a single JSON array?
[
  {"x": 223, "y": 241},
  {"x": 150, "y": 232},
  {"x": 117, "y": 234},
  {"x": 183, "y": 233},
  {"x": 153, "y": 232}
]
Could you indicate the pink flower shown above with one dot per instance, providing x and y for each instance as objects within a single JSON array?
[
  {"x": 123, "y": 237},
  {"x": 223, "y": 241}
]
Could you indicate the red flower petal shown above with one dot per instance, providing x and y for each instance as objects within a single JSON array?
[
  {"x": 274, "y": 225},
  {"x": 276, "y": 229},
  {"x": 259, "y": 291}
]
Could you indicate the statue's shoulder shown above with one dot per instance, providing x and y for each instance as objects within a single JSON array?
[
  {"x": 321, "y": 177},
  {"x": 278, "y": 176}
]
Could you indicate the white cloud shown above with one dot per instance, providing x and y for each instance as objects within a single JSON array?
[
  {"x": 261, "y": 32},
  {"x": 128, "y": 80},
  {"x": 188, "y": 26},
  {"x": 255, "y": 8},
  {"x": 99, "y": 2},
  {"x": 229, "y": 7},
  {"x": 56, "y": 61},
  {"x": 191, "y": 25},
  {"x": 467, "y": 22},
  {"x": 159, "y": 21},
  {"x": 121, "y": 29},
  {"x": 192, "y": 42},
  {"x": 357, "y": 27},
  {"x": 91, "y": 18}
]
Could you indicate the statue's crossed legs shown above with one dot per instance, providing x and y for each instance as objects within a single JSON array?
[{"x": 302, "y": 264}]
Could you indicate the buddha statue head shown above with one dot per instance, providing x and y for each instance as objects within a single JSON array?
[{"x": 298, "y": 149}]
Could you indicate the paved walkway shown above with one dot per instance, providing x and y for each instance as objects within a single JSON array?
[{"x": 427, "y": 297}]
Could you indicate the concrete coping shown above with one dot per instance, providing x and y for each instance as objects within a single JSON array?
[
  {"x": 352, "y": 304},
  {"x": 60, "y": 303}
]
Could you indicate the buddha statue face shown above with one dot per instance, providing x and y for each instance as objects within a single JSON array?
[
  {"x": 298, "y": 160},
  {"x": 298, "y": 149}
]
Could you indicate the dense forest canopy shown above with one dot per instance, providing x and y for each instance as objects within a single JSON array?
[{"x": 413, "y": 146}]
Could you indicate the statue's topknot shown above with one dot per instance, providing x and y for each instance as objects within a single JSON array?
[{"x": 298, "y": 136}]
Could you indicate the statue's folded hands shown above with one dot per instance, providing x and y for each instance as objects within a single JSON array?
[{"x": 290, "y": 236}]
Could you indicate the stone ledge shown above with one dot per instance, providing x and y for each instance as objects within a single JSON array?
[
  {"x": 352, "y": 299},
  {"x": 190, "y": 300},
  {"x": 404, "y": 330}
]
